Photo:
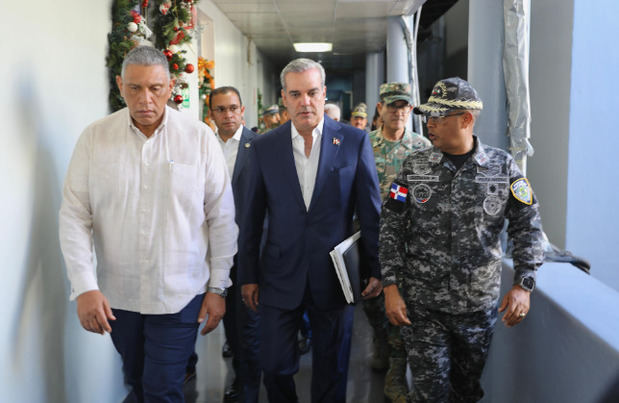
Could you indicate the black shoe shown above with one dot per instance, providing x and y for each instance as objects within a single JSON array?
[
  {"x": 232, "y": 392},
  {"x": 226, "y": 351},
  {"x": 305, "y": 345}
]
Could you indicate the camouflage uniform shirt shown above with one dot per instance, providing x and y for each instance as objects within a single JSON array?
[
  {"x": 389, "y": 155},
  {"x": 441, "y": 243}
]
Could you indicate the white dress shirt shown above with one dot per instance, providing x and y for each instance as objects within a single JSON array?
[
  {"x": 159, "y": 212},
  {"x": 307, "y": 167},
  {"x": 230, "y": 148}
]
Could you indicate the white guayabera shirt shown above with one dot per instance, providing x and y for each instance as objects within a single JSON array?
[{"x": 159, "y": 212}]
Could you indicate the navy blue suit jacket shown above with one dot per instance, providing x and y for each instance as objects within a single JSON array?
[
  {"x": 247, "y": 137},
  {"x": 298, "y": 241}
]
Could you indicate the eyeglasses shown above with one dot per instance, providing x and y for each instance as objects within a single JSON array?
[
  {"x": 224, "y": 109},
  {"x": 437, "y": 120}
]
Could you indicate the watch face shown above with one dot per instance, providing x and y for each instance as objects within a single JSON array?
[{"x": 528, "y": 283}]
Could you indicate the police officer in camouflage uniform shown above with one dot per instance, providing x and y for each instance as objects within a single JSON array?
[
  {"x": 391, "y": 144},
  {"x": 440, "y": 247}
]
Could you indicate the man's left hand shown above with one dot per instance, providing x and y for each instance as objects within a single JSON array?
[
  {"x": 214, "y": 306},
  {"x": 516, "y": 305},
  {"x": 375, "y": 286}
]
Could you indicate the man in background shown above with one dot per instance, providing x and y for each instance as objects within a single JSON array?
[
  {"x": 271, "y": 118},
  {"x": 359, "y": 116},
  {"x": 333, "y": 111},
  {"x": 240, "y": 323}
]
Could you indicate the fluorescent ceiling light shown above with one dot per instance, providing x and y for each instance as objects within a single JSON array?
[{"x": 313, "y": 46}]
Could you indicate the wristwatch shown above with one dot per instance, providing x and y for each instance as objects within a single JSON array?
[
  {"x": 222, "y": 292},
  {"x": 527, "y": 283}
]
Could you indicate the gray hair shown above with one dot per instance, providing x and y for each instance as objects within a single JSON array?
[
  {"x": 299, "y": 66},
  {"x": 145, "y": 56},
  {"x": 332, "y": 107}
]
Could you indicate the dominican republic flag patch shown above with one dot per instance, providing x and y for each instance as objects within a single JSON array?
[
  {"x": 398, "y": 192},
  {"x": 396, "y": 201}
]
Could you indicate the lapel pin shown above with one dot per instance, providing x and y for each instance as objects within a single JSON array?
[
  {"x": 336, "y": 141},
  {"x": 247, "y": 145}
]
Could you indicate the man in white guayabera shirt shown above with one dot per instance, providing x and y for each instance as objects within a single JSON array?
[{"x": 149, "y": 188}]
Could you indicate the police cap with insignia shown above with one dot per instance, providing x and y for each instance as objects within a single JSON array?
[
  {"x": 391, "y": 92},
  {"x": 450, "y": 94},
  {"x": 271, "y": 110}
]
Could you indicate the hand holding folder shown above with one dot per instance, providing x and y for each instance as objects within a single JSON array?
[{"x": 349, "y": 268}]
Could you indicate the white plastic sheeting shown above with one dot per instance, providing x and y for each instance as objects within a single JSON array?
[{"x": 516, "y": 73}]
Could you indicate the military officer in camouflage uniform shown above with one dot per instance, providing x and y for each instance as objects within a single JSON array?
[
  {"x": 359, "y": 116},
  {"x": 271, "y": 118},
  {"x": 392, "y": 144},
  {"x": 440, "y": 248}
]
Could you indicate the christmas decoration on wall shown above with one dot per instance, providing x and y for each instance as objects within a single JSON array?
[
  {"x": 206, "y": 84},
  {"x": 134, "y": 22}
]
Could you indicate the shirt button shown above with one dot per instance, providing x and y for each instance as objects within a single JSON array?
[{"x": 145, "y": 187}]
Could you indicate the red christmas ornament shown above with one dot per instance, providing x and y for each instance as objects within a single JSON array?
[
  {"x": 175, "y": 67},
  {"x": 189, "y": 68},
  {"x": 178, "y": 99},
  {"x": 168, "y": 54},
  {"x": 145, "y": 4},
  {"x": 177, "y": 39},
  {"x": 136, "y": 16}
]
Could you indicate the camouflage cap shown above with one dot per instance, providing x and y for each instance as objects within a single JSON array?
[
  {"x": 450, "y": 94},
  {"x": 271, "y": 110},
  {"x": 361, "y": 111},
  {"x": 391, "y": 92}
]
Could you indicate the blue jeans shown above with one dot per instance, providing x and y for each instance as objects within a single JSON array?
[{"x": 155, "y": 349}]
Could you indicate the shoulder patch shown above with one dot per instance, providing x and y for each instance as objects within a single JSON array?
[
  {"x": 521, "y": 189},
  {"x": 397, "y": 198}
]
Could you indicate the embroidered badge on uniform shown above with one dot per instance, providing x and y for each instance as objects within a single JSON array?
[
  {"x": 435, "y": 157},
  {"x": 421, "y": 168},
  {"x": 422, "y": 193},
  {"x": 521, "y": 189},
  {"x": 492, "y": 205},
  {"x": 398, "y": 192},
  {"x": 481, "y": 158}
]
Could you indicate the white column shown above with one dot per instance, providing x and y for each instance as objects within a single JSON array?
[
  {"x": 374, "y": 77},
  {"x": 485, "y": 69},
  {"x": 397, "y": 52}
]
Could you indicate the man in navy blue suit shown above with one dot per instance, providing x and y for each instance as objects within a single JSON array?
[
  {"x": 240, "y": 324},
  {"x": 309, "y": 176}
]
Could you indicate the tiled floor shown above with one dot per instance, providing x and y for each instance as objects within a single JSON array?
[{"x": 213, "y": 371}]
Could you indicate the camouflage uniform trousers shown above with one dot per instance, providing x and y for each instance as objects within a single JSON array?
[
  {"x": 374, "y": 309},
  {"x": 447, "y": 353}
]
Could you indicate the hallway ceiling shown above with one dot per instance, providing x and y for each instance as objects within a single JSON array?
[{"x": 355, "y": 27}]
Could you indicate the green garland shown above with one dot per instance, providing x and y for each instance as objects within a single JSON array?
[
  {"x": 119, "y": 44},
  {"x": 171, "y": 27}
]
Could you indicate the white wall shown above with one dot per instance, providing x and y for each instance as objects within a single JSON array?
[
  {"x": 54, "y": 73},
  {"x": 232, "y": 66}
]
